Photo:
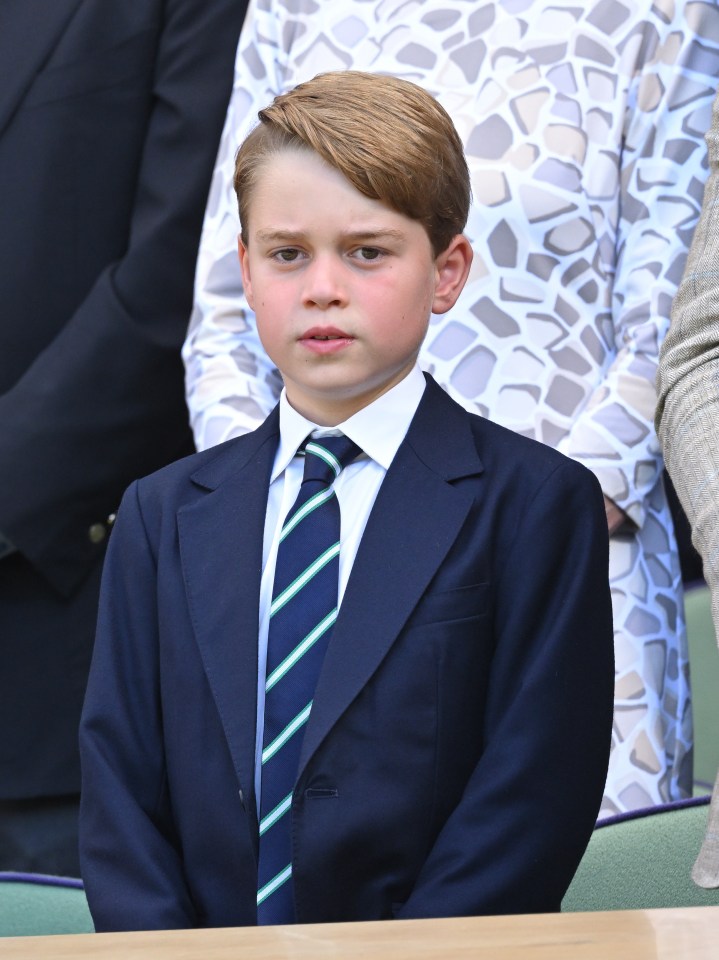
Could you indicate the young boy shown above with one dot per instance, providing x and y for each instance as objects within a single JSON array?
[{"x": 288, "y": 724}]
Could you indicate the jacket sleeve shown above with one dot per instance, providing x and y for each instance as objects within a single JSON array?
[
  {"x": 515, "y": 838},
  {"x": 130, "y": 863},
  {"x": 672, "y": 82},
  {"x": 103, "y": 402},
  {"x": 688, "y": 409},
  {"x": 231, "y": 382},
  {"x": 687, "y": 415}
]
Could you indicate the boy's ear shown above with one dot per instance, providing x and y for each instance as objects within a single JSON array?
[
  {"x": 452, "y": 266},
  {"x": 245, "y": 268}
]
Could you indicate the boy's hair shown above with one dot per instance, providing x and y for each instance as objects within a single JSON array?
[{"x": 390, "y": 138}]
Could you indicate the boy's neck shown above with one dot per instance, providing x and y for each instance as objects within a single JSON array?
[
  {"x": 377, "y": 428},
  {"x": 330, "y": 412}
]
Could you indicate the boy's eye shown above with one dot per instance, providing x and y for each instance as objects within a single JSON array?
[
  {"x": 368, "y": 253},
  {"x": 286, "y": 255}
]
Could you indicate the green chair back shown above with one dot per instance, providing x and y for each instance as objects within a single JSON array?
[
  {"x": 704, "y": 672},
  {"x": 34, "y": 905},
  {"x": 643, "y": 860}
]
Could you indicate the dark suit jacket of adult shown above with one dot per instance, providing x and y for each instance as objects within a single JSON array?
[
  {"x": 455, "y": 756},
  {"x": 110, "y": 118}
]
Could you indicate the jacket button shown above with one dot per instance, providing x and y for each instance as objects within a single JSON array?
[{"x": 97, "y": 533}]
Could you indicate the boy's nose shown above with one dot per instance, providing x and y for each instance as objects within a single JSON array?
[{"x": 324, "y": 284}]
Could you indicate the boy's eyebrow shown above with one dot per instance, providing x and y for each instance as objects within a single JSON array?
[
  {"x": 379, "y": 234},
  {"x": 359, "y": 236}
]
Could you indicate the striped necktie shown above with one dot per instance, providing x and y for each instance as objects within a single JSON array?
[{"x": 302, "y": 614}]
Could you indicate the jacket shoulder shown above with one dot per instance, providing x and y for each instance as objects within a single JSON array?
[
  {"x": 189, "y": 477},
  {"x": 502, "y": 449}
]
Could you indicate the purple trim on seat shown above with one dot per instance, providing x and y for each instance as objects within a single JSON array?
[
  {"x": 42, "y": 879},
  {"x": 653, "y": 811}
]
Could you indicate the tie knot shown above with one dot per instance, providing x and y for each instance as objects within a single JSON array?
[{"x": 326, "y": 458}]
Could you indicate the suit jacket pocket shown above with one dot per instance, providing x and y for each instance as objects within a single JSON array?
[{"x": 460, "y": 603}]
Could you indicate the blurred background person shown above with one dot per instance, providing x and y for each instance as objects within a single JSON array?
[
  {"x": 110, "y": 115},
  {"x": 688, "y": 419},
  {"x": 583, "y": 126}
]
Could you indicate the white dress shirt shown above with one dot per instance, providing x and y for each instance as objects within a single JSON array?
[{"x": 378, "y": 429}]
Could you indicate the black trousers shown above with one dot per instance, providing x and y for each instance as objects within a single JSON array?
[{"x": 40, "y": 836}]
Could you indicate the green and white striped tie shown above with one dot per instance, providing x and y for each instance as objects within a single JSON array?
[{"x": 302, "y": 615}]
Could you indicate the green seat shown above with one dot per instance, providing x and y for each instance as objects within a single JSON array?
[
  {"x": 34, "y": 905},
  {"x": 643, "y": 860},
  {"x": 704, "y": 672}
]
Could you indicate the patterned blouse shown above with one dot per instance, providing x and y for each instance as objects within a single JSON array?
[{"x": 583, "y": 124}]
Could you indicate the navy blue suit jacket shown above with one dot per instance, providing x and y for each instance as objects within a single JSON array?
[
  {"x": 110, "y": 116},
  {"x": 455, "y": 757}
]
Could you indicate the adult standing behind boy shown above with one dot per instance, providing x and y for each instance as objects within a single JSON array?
[
  {"x": 110, "y": 116},
  {"x": 688, "y": 418},
  {"x": 583, "y": 126},
  {"x": 402, "y": 757}
]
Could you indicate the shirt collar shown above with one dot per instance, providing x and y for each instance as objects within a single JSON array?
[{"x": 379, "y": 428}]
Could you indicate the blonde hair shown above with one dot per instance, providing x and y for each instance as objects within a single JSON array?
[{"x": 390, "y": 138}]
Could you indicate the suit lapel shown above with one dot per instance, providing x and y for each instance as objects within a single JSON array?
[
  {"x": 415, "y": 520},
  {"x": 221, "y": 554},
  {"x": 29, "y": 31}
]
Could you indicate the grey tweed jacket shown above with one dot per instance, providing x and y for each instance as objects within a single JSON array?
[{"x": 687, "y": 419}]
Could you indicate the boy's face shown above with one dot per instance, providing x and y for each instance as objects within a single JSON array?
[{"x": 342, "y": 286}]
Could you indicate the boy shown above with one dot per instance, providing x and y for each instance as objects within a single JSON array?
[{"x": 247, "y": 761}]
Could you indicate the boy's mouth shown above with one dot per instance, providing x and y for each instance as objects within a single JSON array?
[
  {"x": 325, "y": 333},
  {"x": 325, "y": 339}
]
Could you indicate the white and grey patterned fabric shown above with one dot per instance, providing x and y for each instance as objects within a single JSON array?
[
  {"x": 583, "y": 125},
  {"x": 688, "y": 420}
]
